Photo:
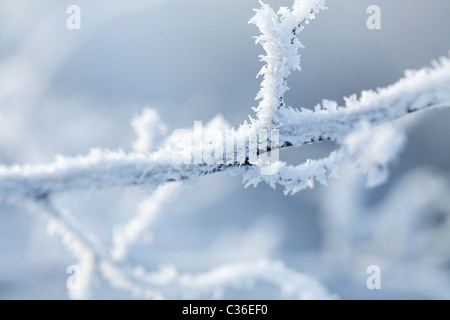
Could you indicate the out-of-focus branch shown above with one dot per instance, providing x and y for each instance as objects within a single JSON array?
[{"x": 242, "y": 151}]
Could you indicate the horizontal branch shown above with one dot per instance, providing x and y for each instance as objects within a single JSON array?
[
  {"x": 105, "y": 169},
  {"x": 97, "y": 170},
  {"x": 418, "y": 90}
]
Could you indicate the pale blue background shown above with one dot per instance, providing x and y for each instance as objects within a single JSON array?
[{"x": 64, "y": 92}]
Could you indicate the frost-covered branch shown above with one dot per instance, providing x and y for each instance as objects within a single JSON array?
[
  {"x": 167, "y": 283},
  {"x": 82, "y": 244},
  {"x": 362, "y": 131},
  {"x": 279, "y": 41},
  {"x": 102, "y": 169},
  {"x": 292, "y": 284},
  {"x": 418, "y": 90},
  {"x": 129, "y": 234}
]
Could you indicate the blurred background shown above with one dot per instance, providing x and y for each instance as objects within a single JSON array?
[{"x": 66, "y": 91}]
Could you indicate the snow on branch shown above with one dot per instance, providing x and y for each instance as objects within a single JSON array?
[
  {"x": 129, "y": 234},
  {"x": 418, "y": 90},
  {"x": 362, "y": 130},
  {"x": 167, "y": 283},
  {"x": 100, "y": 169},
  {"x": 278, "y": 39},
  {"x": 292, "y": 284}
]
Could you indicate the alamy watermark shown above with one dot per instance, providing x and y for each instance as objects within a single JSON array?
[
  {"x": 374, "y": 20},
  {"x": 74, "y": 280},
  {"x": 227, "y": 148},
  {"x": 374, "y": 280},
  {"x": 73, "y": 21}
]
